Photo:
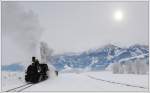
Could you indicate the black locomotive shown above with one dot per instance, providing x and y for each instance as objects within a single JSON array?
[{"x": 36, "y": 72}]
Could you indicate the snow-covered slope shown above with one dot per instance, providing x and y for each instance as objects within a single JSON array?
[{"x": 99, "y": 59}]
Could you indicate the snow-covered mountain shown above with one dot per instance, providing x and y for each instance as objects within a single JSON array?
[
  {"x": 13, "y": 67},
  {"x": 93, "y": 59},
  {"x": 99, "y": 59}
]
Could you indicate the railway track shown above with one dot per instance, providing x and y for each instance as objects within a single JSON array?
[
  {"x": 20, "y": 88},
  {"x": 124, "y": 84}
]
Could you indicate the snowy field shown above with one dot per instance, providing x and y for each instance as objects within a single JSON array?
[
  {"x": 80, "y": 82},
  {"x": 12, "y": 79}
]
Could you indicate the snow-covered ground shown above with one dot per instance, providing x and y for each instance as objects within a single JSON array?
[
  {"x": 12, "y": 79},
  {"x": 82, "y": 82},
  {"x": 124, "y": 79}
]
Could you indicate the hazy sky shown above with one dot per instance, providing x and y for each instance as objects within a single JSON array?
[{"x": 79, "y": 26}]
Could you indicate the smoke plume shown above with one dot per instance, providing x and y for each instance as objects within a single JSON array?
[{"x": 21, "y": 33}]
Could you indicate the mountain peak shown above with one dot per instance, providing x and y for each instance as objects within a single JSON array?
[{"x": 110, "y": 46}]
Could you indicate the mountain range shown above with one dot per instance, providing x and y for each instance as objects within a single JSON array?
[
  {"x": 93, "y": 59},
  {"x": 100, "y": 58}
]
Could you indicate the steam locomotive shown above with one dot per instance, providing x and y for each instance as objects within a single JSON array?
[{"x": 36, "y": 73}]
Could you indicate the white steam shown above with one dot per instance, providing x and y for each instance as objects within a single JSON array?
[{"x": 21, "y": 33}]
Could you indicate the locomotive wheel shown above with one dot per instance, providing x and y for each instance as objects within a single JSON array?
[
  {"x": 27, "y": 78},
  {"x": 35, "y": 78},
  {"x": 45, "y": 77},
  {"x": 40, "y": 78}
]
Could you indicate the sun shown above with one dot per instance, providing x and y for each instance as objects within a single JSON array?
[{"x": 118, "y": 15}]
